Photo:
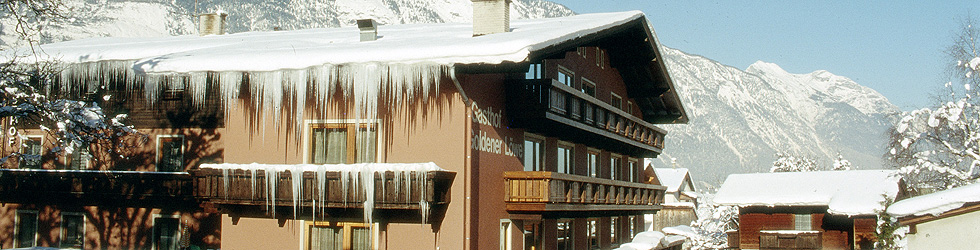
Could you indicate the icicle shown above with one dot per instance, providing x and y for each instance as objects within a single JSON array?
[
  {"x": 225, "y": 181},
  {"x": 271, "y": 180},
  {"x": 297, "y": 181},
  {"x": 198, "y": 88},
  {"x": 253, "y": 173}
]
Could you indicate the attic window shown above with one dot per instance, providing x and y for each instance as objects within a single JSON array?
[
  {"x": 615, "y": 101},
  {"x": 566, "y": 77},
  {"x": 588, "y": 87},
  {"x": 600, "y": 57}
]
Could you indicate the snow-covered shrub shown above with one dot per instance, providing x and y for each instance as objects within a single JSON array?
[{"x": 789, "y": 163}]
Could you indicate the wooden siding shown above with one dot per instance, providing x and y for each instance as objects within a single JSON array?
[
  {"x": 772, "y": 240},
  {"x": 541, "y": 191},
  {"x": 673, "y": 216},
  {"x": 751, "y": 224}
]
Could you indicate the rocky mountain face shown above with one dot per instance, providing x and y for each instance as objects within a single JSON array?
[{"x": 739, "y": 118}]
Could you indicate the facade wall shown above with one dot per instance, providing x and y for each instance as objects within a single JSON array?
[
  {"x": 673, "y": 216},
  {"x": 837, "y": 231},
  {"x": 955, "y": 232}
]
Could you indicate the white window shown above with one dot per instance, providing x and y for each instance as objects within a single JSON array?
[
  {"x": 533, "y": 153},
  {"x": 26, "y": 230},
  {"x": 592, "y": 160},
  {"x": 631, "y": 167},
  {"x": 170, "y": 153},
  {"x": 600, "y": 57},
  {"x": 803, "y": 222},
  {"x": 30, "y": 152},
  {"x": 566, "y": 158},
  {"x": 615, "y": 164},
  {"x": 339, "y": 143},
  {"x": 566, "y": 77},
  {"x": 533, "y": 71},
  {"x": 166, "y": 232},
  {"x": 506, "y": 237},
  {"x": 72, "y": 230}
]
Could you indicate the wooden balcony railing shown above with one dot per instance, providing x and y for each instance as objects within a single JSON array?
[
  {"x": 787, "y": 239},
  {"x": 96, "y": 187},
  {"x": 539, "y": 191},
  {"x": 548, "y": 99},
  {"x": 391, "y": 190}
]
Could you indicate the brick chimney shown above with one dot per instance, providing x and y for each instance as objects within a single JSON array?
[
  {"x": 491, "y": 16},
  {"x": 212, "y": 24}
]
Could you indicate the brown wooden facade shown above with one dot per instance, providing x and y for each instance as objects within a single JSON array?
[
  {"x": 599, "y": 118},
  {"x": 833, "y": 231}
]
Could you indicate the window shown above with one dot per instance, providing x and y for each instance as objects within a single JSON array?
[
  {"x": 613, "y": 230},
  {"x": 566, "y": 158},
  {"x": 532, "y": 235},
  {"x": 600, "y": 57},
  {"x": 615, "y": 101},
  {"x": 170, "y": 153},
  {"x": 30, "y": 152},
  {"x": 166, "y": 233},
  {"x": 533, "y": 153},
  {"x": 631, "y": 167},
  {"x": 506, "y": 240},
  {"x": 566, "y": 77},
  {"x": 80, "y": 159},
  {"x": 615, "y": 163},
  {"x": 339, "y": 143},
  {"x": 174, "y": 91},
  {"x": 632, "y": 227},
  {"x": 26, "y": 228},
  {"x": 629, "y": 107},
  {"x": 588, "y": 87},
  {"x": 565, "y": 239},
  {"x": 593, "y": 228},
  {"x": 582, "y": 51},
  {"x": 803, "y": 222},
  {"x": 72, "y": 230},
  {"x": 339, "y": 236},
  {"x": 592, "y": 160},
  {"x": 533, "y": 71}
]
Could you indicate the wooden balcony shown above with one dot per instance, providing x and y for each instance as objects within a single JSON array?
[
  {"x": 87, "y": 187},
  {"x": 391, "y": 192},
  {"x": 549, "y": 107},
  {"x": 787, "y": 239},
  {"x": 541, "y": 192}
]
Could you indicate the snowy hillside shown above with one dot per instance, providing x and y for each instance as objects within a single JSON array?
[
  {"x": 147, "y": 18},
  {"x": 741, "y": 119}
]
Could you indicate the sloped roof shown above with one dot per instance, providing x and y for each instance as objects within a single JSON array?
[
  {"x": 936, "y": 203},
  {"x": 633, "y": 49},
  {"x": 855, "y": 192},
  {"x": 672, "y": 178}
]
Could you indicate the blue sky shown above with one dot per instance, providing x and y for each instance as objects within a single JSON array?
[{"x": 894, "y": 47}]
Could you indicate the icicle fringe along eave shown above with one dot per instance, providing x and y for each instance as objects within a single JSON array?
[
  {"x": 351, "y": 175},
  {"x": 365, "y": 85}
]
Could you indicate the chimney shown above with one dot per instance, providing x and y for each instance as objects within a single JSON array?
[
  {"x": 212, "y": 24},
  {"x": 491, "y": 16},
  {"x": 369, "y": 29}
]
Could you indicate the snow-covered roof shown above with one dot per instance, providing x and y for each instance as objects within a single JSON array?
[
  {"x": 443, "y": 44},
  {"x": 936, "y": 203},
  {"x": 855, "y": 192},
  {"x": 672, "y": 178}
]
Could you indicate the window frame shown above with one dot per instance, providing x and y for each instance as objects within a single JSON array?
[
  {"x": 534, "y": 71},
  {"x": 62, "y": 234},
  {"x": 613, "y": 168},
  {"x": 17, "y": 231},
  {"x": 615, "y": 100},
  {"x": 569, "y": 233},
  {"x": 593, "y": 166},
  {"x": 569, "y": 147},
  {"x": 632, "y": 166},
  {"x": 586, "y": 81},
  {"x": 80, "y": 154},
  {"x": 569, "y": 79},
  {"x": 352, "y": 127},
  {"x": 506, "y": 235},
  {"x": 600, "y": 58},
  {"x": 177, "y": 235},
  {"x": 540, "y": 142},
  {"x": 803, "y": 227},
  {"x": 40, "y": 152},
  {"x": 346, "y": 230},
  {"x": 159, "y": 157}
]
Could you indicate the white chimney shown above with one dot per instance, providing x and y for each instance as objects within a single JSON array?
[
  {"x": 491, "y": 16},
  {"x": 368, "y": 28},
  {"x": 212, "y": 24}
]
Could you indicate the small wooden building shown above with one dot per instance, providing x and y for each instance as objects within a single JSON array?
[
  {"x": 947, "y": 219},
  {"x": 808, "y": 210},
  {"x": 680, "y": 200}
]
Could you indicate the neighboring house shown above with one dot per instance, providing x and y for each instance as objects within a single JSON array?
[
  {"x": 808, "y": 210},
  {"x": 948, "y": 219},
  {"x": 495, "y": 135},
  {"x": 680, "y": 203}
]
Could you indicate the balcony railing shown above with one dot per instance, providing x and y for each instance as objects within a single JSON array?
[
  {"x": 534, "y": 100},
  {"x": 91, "y": 187},
  {"x": 787, "y": 239},
  {"x": 539, "y": 191},
  {"x": 391, "y": 190}
]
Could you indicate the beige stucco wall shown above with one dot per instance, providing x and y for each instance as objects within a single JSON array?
[{"x": 956, "y": 232}]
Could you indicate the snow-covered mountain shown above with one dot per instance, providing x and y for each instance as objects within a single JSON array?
[
  {"x": 741, "y": 118},
  {"x": 147, "y": 18}
]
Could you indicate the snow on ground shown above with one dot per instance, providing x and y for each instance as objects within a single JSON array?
[
  {"x": 936, "y": 203},
  {"x": 855, "y": 192}
]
